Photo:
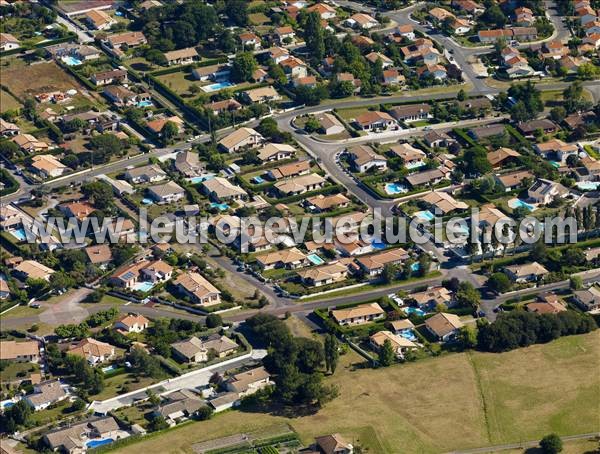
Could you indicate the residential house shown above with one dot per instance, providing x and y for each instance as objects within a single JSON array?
[
  {"x": 109, "y": 77},
  {"x": 47, "y": 166},
  {"x": 351, "y": 246},
  {"x": 588, "y": 299},
  {"x": 411, "y": 112},
  {"x": 528, "y": 272},
  {"x": 99, "y": 20},
  {"x": 166, "y": 193},
  {"x": 554, "y": 50},
  {"x": 443, "y": 326},
  {"x": 330, "y": 125},
  {"x": 221, "y": 107},
  {"x": 443, "y": 202},
  {"x": 94, "y": 351},
  {"x": 361, "y": 21},
  {"x": 276, "y": 152},
  {"x": 241, "y": 138},
  {"x": 284, "y": 35},
  {"x": 468, "y": 6},
  {"x": 156, "y": 125},
  {"x": 432, "y": 297},
  {"x": 321, "y": 203},
  {"x": 358, "y": 315},
  {"x": 99, "y": 254},
  {"x": 29, "y": 144},
  {"x": 185, "y": 56},
  {"x": 120, "y": 95},
  {"x": 8, "y": 42},
  {"x": 300, "y": 185},
  {"x": 556, "y": 149},
  {"x": 548, "y": 303},
  {"x": 529, "y": 128},
  {"x": 190, "y": 350},
  {"x": 285, "y": 258},
  {"x": 278, "y": 54},
  {"x": 393, "y": 77},
  {"x": 544, "y": 191},
  {"x": 436, "y": 71},
  {"x": 374, "y": 264},
  {"x": 8, "y": 129},
  {"x": 374, "y": 57},
  {"x": 30, "y": 269},
  {"x": 437, "y": 139},
  {"x": 364, "y": 158},
  {"x": 485, "y": 132},
  {"x": 249, "y": 40},
  {"x": 188, "y": 164},
  {"x": 131, "y": 39},
  {"x": 261, "y": 95},
  {"x": 80, "y": 209},
  {"x": 324, "y": 10},
  {"x": 348, "y": 77},
  {"x": 74, "y": 438},
  {"x": 513, "y": 180},
  {"x": 198, "y": 288},
  {"x": 213, "y": 72},
  {"x": 428, "y": 177},
  {"x": 323, "y": 275},
  {"x": 333, "y": 444},
  {"x": 157, "y": 271},
  {"x": 375, "y": 121},
  {"x": 308, "y": 81},
  {"x": 179, "y": 405},
  {"x": 131, "y": 323},
  {"x": 524, "y": 17},
  {"x": 45, "y": 394},
  {"x": 10, "y": 218},
  {"x": 291, "y": 170},
  {"x": 248, "y": 382},
  {"x": 21, "y": 352},
  {"x": 222, "y": 346},
  {"x": 151, "y": 173},
  {"x": 502, "y": 156},
  {"x": 400, "y": 344},
  {"x": 460, "y": 26},
  {"x": 221, "y": 190},
  {"x": 440, "y": 14},
  {"x": 294, "y": 67}
]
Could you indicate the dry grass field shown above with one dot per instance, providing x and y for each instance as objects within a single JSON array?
[
  {"x": 43, "y": 77},
  {"x": 440, "y": 404}
]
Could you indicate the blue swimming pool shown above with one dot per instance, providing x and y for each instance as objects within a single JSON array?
[
  {"x": 258, "y": 180},
  {"x": 99, "y": 442},
  {"x": 588, "y": 185},
  {"x": 414, "y": 310},
  {"x": 219, "y": 206},
  {"x": 109, "y": 368},
  {"x": 408, "y": 334},
  {"x": 518, "y": 203},
  {"x": 315, "y": 259},
  {"x": 378, "y": 245},
  {"x": 395, "y": 188},
  {"x": 554, "y": 164},
  {"x": 415, "y": 266},
  {"x": 144, "y": 104},
  {"x": 216, "y": 87},
  {"x": 414, "y": 165},
  {"x": 71, "y": 61},
  {"x": 144, "y": 287},
  {"x": 146, "y": 201},
  {"x": 8, "y": 404},
  {"x": 200, "y": 179},
  {"x": 19, "y": 234},
  {"x": 424, "y": 215}
]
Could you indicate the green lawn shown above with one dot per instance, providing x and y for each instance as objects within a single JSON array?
[
  {"x": 456, "y": 401},
  {"x": 16, "y": 370}
]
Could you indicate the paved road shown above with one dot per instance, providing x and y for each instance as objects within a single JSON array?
[
  {"x": 194, "y": 379},
  {"x": 527, "y": 444}
]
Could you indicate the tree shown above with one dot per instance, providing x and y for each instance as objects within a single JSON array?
[
  {"x": 213, "y": 321},
  {"x": 204, "y": 413},
  {"x": 8, "y": 149},
  {"x": 587, "y": 71},
  {"x": 314, "y": 36},
  {"x": 389, "y": 273},
  {"x": 468, "y": 296},
  {"x": 386, "y": 354},
  {"x": 538, "y": 252},
  {"x": 237, "y": 11},
  {"x": 243, "y": 67},
  {"x": 575, "y": 283},
  {"x": 467, "y": 336},
  {"x": 169, "y": 131},
  {"x": 499, "y": 283},
  {"x": 157, "y": 423},
  {"x": 60, "y": 280},
  {"x": 331, "y": 352},
  {"x": 99, "y": 193},
  {"x": 558, "y": 114},
  {"x": 153, "y": 398},
  {"x": 551, "y": 444},
  {"x": 461, "y": 95}
]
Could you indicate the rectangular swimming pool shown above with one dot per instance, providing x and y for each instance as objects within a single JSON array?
[
  {"x": 145, "y": 286},
  {"x": 424, "y": 215},
  {"x": 19, "y": 234},
  {"x": 71, "y": 61},
  {"x": 216, "y": 87},
  {"x": 315, "y": 259},
  {"x": 99, "y": 442}
]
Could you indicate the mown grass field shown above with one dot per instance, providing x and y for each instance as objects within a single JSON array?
[{"x": 456, "y": 401}]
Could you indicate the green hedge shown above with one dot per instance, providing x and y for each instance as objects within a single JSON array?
[
  {"x": 328, "y": 190},
  {"x": 11, "y": 185}
]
